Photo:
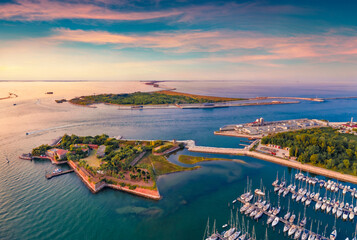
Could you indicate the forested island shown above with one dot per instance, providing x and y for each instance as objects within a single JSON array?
[
  {"x": 323, "y": 147},
  {"x": 125, "y": 165},
  {"x": 149, "y": 98}
]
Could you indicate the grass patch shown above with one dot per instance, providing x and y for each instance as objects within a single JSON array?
[
  {"x": 92, "y": 159},
  {"x": 192, "y": 160},
  {"x": 162, "y": 165}
]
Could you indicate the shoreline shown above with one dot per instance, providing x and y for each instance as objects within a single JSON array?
[{"x": 185, "y": 106}]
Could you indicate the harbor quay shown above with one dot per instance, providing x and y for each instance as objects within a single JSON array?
[{"x": 260, "y": 128}]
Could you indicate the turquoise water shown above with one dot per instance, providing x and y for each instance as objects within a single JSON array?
[{"x": 32, "y": 207}]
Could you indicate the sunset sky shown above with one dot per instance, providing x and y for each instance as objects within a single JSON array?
[{"x": 289, "y": 41}]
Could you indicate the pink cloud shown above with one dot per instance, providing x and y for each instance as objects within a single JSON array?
[{"x": 30, "y": 10}]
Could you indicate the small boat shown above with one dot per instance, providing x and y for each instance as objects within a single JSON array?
[
  {"x": 298, "y": 234},
  {"x": 234, "y": 201},
  {"x": 305, "y": 235},
  {"x": 344, "y": 215},
  {"x": 276, "y": 211},
  {"x": 57, "y": 170},
  {"x": 270, "y": 219},
  {"x": 312, "y": 236},
  {"x": 298, "y": 198},
  {"x": 303, "y": 199},
  {"x": 225, "y": 225},
  {"x": 303, "y": 222},
  {"x": 250, "y": 210},
  {"x": 328, "y": 208},
  {"x": 259, "y": 214},
  {"x": 333, "y": 235},
  {"x": 244, "y": 207},
  {"x": 276, "y": 188},
  {"x": 259, "y": 192},
  {"x": 292, "y": 230},
  {"x": 334, "y": 210},
  {"x": 317, "y": 196},
  {"x": 229, "y": 232},
  {"x": 323, "y": 207},
  {"x": 308, "y": 201},
  {"x": 234, "y": 236},
  {"x": 287, "y": 215},
  {"x": 351, "y": 216},
  {"x": 339, "y": 212},
  {"x": 252, "y": 214},
  {"x": 286, "y": 192},
  {"x": 275, "y": 183},
  {"x": 286, "y": 227},
  {"x": 243, "y": 237},
  {"x": 266, "y": 207},
  {"x": 249, "y": 198},
  {"x": 281, "y": 190},
  {"x": 275, "y": 222},
  {"x": 294, "y": 196},
  {"x": 318, "y": 205},
  {"x": 292, "y": 218}
]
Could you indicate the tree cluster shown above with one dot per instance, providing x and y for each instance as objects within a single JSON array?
[
  {"x": 139, "y": 98},
  {"x": 320, "y": 146}
]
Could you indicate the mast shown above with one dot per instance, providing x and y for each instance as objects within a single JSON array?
[
  {"x": 206, "y": 232},
  {"x": 266, "y": 234}
]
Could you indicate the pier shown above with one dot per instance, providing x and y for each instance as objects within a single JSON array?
[{"x": 51, "y": 175}]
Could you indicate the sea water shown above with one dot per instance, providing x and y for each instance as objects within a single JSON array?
[{"x": 32, "y": 207}]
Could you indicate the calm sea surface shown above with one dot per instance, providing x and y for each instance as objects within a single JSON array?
[{"x": 32, "y": 207}]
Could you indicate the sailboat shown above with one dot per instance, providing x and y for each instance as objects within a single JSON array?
[
  {"x": 333, "y": 235},
  {"x": 287, "y": 215}
]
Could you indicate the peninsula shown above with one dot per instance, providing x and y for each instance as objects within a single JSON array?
[
  {"x": 101, "y": 161},
  {"x": 315, "y": 146}
]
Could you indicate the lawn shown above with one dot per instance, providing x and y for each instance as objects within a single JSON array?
[
  {"x": 92, "y": 159},
  {"x": 162, "y": 165}
]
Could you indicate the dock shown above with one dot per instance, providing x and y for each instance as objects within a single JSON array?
[
  {"x": 282, "y": 220},
  {"x": 51, "y": 175}
]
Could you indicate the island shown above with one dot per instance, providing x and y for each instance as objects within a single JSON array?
[
  {"x": 102, "y": 161},
  {"x": 149, "y": 98}
]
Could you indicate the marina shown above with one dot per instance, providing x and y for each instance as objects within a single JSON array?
[{"x": 255, "y": 205}]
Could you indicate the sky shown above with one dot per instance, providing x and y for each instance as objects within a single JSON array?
[{"x": 304, "y": 41}]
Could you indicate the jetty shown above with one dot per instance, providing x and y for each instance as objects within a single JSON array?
[
  {"x": 247, "y": 151},
  {"x": 51, "y": 175}
]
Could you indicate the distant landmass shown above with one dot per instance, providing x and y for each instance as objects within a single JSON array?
[{"x": 149, "y": 98}]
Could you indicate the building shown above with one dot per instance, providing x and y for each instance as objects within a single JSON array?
[
  {"x": 56, "y": 152},
  {"x": 101, "y": 151}
]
